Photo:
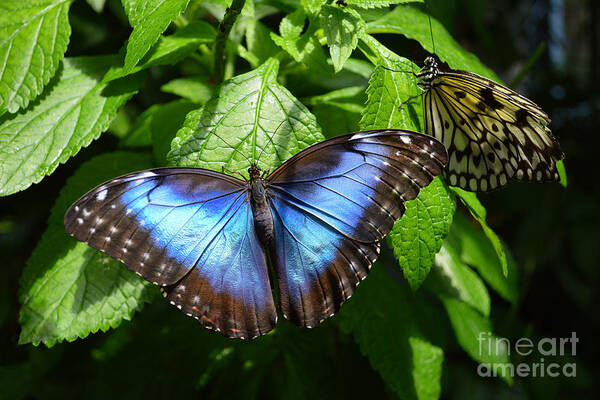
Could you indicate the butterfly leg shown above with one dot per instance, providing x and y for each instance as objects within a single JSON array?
[
  {"x": 409, "y": 99},
  {"x": 225, "y": 169}
]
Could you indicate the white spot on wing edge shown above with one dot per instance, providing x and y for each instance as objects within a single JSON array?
[{"x": 102, "y": 195}]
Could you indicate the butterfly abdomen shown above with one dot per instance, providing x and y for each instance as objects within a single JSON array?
[{"x": 263, "y": 219}]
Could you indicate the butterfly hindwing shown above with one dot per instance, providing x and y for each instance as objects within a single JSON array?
[
  {"x": 332, "y": 204},
  {"x": 190, "y": 231},
  {"x": 492, "y": 133}
]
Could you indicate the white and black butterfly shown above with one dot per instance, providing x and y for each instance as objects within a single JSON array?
[{"x": 492, "y": 133}]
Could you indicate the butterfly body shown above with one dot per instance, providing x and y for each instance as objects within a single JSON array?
[
  {"x": 263, "y": 218},
  {"x": 205, "y": 237},
  {"x": 492, "y": 133}
]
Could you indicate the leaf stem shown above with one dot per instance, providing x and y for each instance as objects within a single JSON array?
[
  {"x": 225, "y": 26},
  {"x": 529, "y": 64}
]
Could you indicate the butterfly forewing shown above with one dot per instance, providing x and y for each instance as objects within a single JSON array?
[
  {"x": 332, "y": 204},
  {"x": 492, "y": 133},
  {"x": 190, "y": 231}
]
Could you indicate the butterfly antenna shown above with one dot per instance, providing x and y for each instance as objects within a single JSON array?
[
  {"x": 430, "y": 28},
  {"x": 269, "y": 141},
  {"x": 398, "y": 70},
  {"x": 232, "y": 147}
]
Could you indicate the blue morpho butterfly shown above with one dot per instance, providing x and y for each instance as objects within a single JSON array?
[{"x": 206, "y": 237}]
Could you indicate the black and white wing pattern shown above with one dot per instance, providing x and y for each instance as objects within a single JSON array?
[{"x": 492, "y": 133}]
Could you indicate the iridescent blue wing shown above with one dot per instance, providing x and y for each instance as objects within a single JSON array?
[
  {"x": 190, "y": 231},
  {"x": 332, "y": 204}
]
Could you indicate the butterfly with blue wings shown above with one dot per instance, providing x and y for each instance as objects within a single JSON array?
[{"x": 207, "y": 238}]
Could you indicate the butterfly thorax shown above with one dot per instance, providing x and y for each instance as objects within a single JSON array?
[
  {"x": 428, "y": 73},
  {"x": 263, "y": 219}
]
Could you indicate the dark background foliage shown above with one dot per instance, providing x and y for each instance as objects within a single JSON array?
[{"x": 553, "y": 232}]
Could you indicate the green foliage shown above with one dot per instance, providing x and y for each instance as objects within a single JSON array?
[
  {"x": 384, "y": 312},
  {"x": 418, "y": 236},
  {"x": 76, "y": 108},
  {"x": 285, "y": 92},
  {"x": 413, "y": 23},
  {"x": 478, "y": 212},
  {"x": 470, "y": 328},
  {"x": 248, "y": 115},
  {"x": 379, "y": 3},
  {"x": 342, "y": 28},
  {"x": 33, "y": 38},
  {"x": 68, "y": 289},
  {"x": 149, "y": 18}
]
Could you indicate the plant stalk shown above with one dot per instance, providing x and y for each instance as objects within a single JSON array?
[{"x": 225, "y": 26}]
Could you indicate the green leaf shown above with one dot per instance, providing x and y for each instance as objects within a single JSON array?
[
  {"x": 450, "y": 277},
  {"x": 170, "y": 49},
  {"x": 479, "y": 213},
  {"x": 339, "y": 111},
  {"x": 193, "y": 88},
  {"x": 560, "y": 165},
  {"x": 312, "y": 6},
  {"x": 342, "y": 27},
  {"x": 477, "y": 251},
  {"x": 259, "y": 42},
  {"x": 384, "y": 316},
  {"x": 69, "y": 290},
  {"x": 347, "y": 98},
  {"x": 33, "y": 39},
  {"x": 417, "y": 236},
  {"x": 388, "y": 90},
  {"x": 75, "y": 109},
  {"x": 378, "y": 3},
  {"x": 291, "y": 25},
  {"x": 166, "y": 122},
  {"x": 305, "y": 49},
  {"x": 97, "y": 5},
  {"x": 414, "y": 24},
  {"x": 158, "y": 121},
  {"x": 149, "y": 18},
  {"x": 248, "y": 114},
  {"x": 474, "y": 334}
]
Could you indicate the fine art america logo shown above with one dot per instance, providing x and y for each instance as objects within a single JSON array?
[{"x": 552, "y": 348}]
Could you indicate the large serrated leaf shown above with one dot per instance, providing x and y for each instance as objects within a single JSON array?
[
  {"x": 69, "y": 290},
  {"x": 33, "y": 39},
  {"x": 342, "y": 28},
  {"x": 75, "y": 109},
  {"x": 149, "y": 18},
  {"x": 417, "y": 236},
  {"x": 383, "y": 316},
  {"x": 414, "y": 24},
  {"x": 388, "y": 91},
  {"x": 250, "y": 114}
]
